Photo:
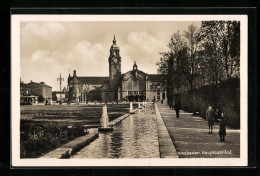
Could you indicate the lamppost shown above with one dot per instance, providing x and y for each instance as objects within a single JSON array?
[{"x": 60, "y": 79}]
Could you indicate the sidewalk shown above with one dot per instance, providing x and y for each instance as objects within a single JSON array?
[{"x": 191, "y": 139}]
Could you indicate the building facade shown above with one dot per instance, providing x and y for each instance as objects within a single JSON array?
[
  {"x": 36, "y": 89},
  {"x": 134, "y": 85}
]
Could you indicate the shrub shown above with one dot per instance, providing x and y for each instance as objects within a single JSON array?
[{"x": 37, "y": 140}]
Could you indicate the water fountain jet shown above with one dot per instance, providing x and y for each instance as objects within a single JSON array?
[
  {"x": 104, "y": 121},
  {"x": 131, "y": 108}
]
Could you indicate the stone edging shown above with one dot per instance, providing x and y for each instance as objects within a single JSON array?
[
  {"x": 166, "y": 146},
  {"x": 78, "y": 147},
  {"x": 66, "y": 150},
  {"x": 119, "y": 119}
]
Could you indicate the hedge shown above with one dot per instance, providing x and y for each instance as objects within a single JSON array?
[{"x": 225, "y": 97}]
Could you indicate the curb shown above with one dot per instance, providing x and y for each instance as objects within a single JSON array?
[
  {"x": 119, "y": 119},
  {"x": 166, "y": 146},
  {"x": 78, "y": 147}
]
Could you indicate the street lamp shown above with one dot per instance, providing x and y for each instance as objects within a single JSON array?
[{"x": 60, "y": 79}]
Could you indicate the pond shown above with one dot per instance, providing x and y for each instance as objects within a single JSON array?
[{"x": 135, "y": 137}]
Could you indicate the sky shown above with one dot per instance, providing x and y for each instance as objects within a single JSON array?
[{"x": 51, "y": 48}]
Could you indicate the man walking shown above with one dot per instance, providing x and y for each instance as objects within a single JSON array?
[
  {"x": 177, "y": 108},
  {"x": 210, "y": 114}
]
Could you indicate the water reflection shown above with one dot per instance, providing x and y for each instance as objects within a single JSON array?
[
  {"x": 135, "y": 137},
  {"x": 116, "y": 144}
]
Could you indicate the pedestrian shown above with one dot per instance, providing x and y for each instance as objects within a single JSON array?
[
  {"x": 186, "y": 107},
  {"x": 177, "y": 108},
  {"x": 222, "y": 128},
  {"x": 171, "y": 103},
  {"x": 217, "y": 116},
  {"x": 210, "y": 114}
]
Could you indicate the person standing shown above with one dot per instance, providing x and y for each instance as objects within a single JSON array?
[
  {"x": 171, "y": 103},
  {"x": 177, "y": 108},
  {"x": 222, "y": 128},
  {"x": 210, "y": 114}
]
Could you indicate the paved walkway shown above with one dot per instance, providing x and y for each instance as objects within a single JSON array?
[{"x": 191, "y": 139}]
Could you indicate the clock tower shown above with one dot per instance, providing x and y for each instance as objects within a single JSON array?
[{"x": 114, "y": 65}]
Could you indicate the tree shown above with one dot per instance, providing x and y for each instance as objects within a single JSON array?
[
  {"x": 201, "y": 55},
  {"x": 193, "y": 40},
  {"x": 177, "y": 46},
  {"x": 179, "y": 64},
  {"x": 221, "y": 46},
  {"x": 169, "y": 64}
]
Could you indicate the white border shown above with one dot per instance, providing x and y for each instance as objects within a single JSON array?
[{"x": 15, "y": 102}]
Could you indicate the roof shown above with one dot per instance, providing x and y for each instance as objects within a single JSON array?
[
  {"x": 130, "y": 73},
  {"x": 156, "y": 77},
  {"x": 93, "y": 80},
  {"x": 28, "y": 96},
  {"x": 39, "y": 84},
  {"x": 58, "y": 92}
]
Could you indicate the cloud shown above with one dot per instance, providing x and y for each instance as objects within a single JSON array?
[
  {"x": 41, "y": 36},
  {"x": 85, "y": 57},
  {"x": 50, "y": 48},
  {"x": 143, "y": 48},
  {"x": 48, "y": 31}
]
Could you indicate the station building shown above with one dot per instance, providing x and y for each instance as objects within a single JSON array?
[{"x": 134, "y": 85}]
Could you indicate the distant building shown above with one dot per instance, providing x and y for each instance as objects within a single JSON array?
[
  {"x": 134, "y": 85},
  {"x": 36, "y": 89}
]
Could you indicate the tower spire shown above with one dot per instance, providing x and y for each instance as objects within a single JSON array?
[
  {"x": 134, "y": 66},
  {"x": 114, "y": 40}
]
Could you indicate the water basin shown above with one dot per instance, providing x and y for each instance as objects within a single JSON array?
[{"x": 135, "y": 137}]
